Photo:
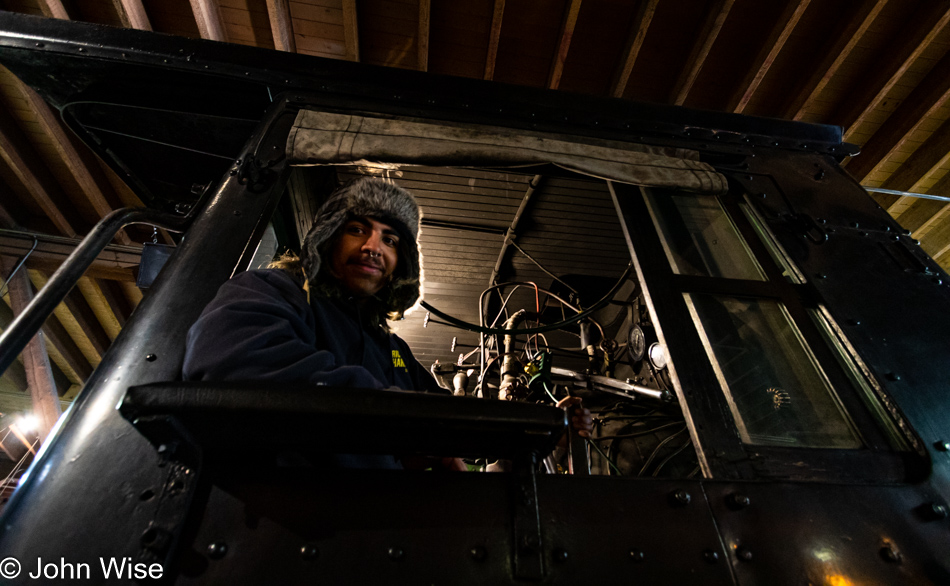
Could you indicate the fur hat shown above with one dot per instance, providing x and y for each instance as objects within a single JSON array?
[{"x": 382, "y": 201}]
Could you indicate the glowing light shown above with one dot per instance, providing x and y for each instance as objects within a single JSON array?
[
  {"x": 838, "y": 580},
  {"x": 825, "y": 555},
  {"x": 28, "y": 423}
]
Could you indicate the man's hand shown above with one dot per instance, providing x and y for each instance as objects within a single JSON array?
[{"x": 581, "y": 420}]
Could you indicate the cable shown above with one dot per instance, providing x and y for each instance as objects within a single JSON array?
[
  {"x": 539, "y": 330},
  {"x": 605, "y": 457},
  {"x": 670, "y": 457},
  {"x": 639, "y": 433},
  {"x": 6, "y": 284},
  {"x": 547, "y": 272},
  {"x": 657, "y": 451}
]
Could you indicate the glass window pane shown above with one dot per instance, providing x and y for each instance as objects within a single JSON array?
[
  {"x": 789, "y": 271},
  {"x": 778, "y": 394},
  {"x": 699, "y": 237}
]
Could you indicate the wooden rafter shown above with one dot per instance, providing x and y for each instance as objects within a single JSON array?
[
  {"x": 132, "y": 14},
  {"x": 794, "y": 9},
  {"x": 114, "y": 263},
  {"x": 494, "y": 36},
  {"x": 928, "y": 96},
  {"x": 921, "y": 213},
  {"x": 635, "y": 39},
  {"x": 928, "y": 157},
  {"x": 351, "y": 30},
  {"x": 936, "y": 243},
  {"x": 7, "y": 221},
  {"x": 39, "y": 373},
  {"x": 281, "y": 25},
  {"x": 568, "y": 24},
  {"x": 77, "y": 311},
  {"x": 712, "y": 25},
  {"x": 422, "y": 39},
  {"x": 15, "y": 372},
  {"x": 208, "y": 18},
  {"x": 112, "y": 294},
  {"x": 80, "y": 163},
  {"x": 100, "y": 306},
  {"x": 890, "y": 65},
  {"x": 29, "y": 169},
  {"x": 942, "y": 187},
  {"x": 54, "y": 9},
  {"x": 845, "y": 39}
]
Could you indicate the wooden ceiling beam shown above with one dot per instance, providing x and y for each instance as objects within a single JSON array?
[
  {"x": 7, "y": 221},
  {"x": 422, "y": 39},
  {"x": 794, "y": 9},
  {"x": 84, "y": 169},
  {"x": 39, "y": 373},
  {"x": 942, "y": 187},
  {"x": 929, "y": 95},
  {"x": 15, "y": 372},
  {"x": 716, "y": 16},
  {"x": 494, "y": 36},
  {"x": 893, "y": 60},
  {"x": 928, "y": 157},
  {"x": 32, "y": 172},
  {"x": 281, "y": 25},
  {"x": 351, "y": 30},
  {"x": 113, "y": 263},
  {"x": 53, "y": 9},
  {"x": 845, "y": 40},
  {"x": 568, "y": 24},
  {"x": 208, "y": 18},
  {"x": 635, "y": 39},
  {"x": 920, "y": 213},
  {"x": 132, "y": 14},
  {"x": 68, "y": 364},
  {"x": 79, "y": 312},
  {"x": 115, "y": 298}
]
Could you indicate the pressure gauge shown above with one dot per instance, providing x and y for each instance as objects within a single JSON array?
[
  {"x": 658, "y": 356},
  {"x": 636, "y": 343}
]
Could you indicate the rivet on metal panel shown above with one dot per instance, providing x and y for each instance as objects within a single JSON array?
[
  {"x": 893, "y": 376},
  {"x": 396, "y": 553},
  {"x": 560, "y": 556},
  {"x": 763, "y": 195},
  {"x": 217, "y": 549},
  {"x": 710, "y": 556},
  {"x": 938, "y": 280},
  {"x": 156, "y": 539},
  {"x": 938, "y": 510},
  {"x": 478, "y": 553},
  {"x": 854, "y": 224},
  {"x": 890, "y": 554},
  {"x": 738, "y": 500},
  {"x": 821, "y": 276},
  {"x": 309, "y": 552},
  {"x": 150, "y": 357},
  {"x": 680, "y": 498},
  {"x": 636, "y": 555},
  {"x": 942, "y": 445},
  {"x": 744, "y": 553},
  {"x": 905, "y": 232},
  {"x": 854, "y": 322}
]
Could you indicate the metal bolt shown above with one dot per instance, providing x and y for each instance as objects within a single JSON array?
[
  {"x": 939, "y": 511},
  {"x": 893, "y": 376},
  {"x": 309, "y": 552},
  {"x": 938, "y": 280},
  {"x": 396, "y": 553},
  {"x": 739, "y": 501},
  {"x": 854, "y": 225},
  {"x": 942, "y": 445},
  {"x": 763, "y": 195},
  {"x": 217, "y": 549},
  {"x": 150, "y": 357},
  {"x": 744, "y": 553},
  {"x": 905, "y": 232},
  {"x": 681, "y": 497},
  {"x": 854, "y": 322},
  {"x": 636, "y": 555},
  {"x": 890, "y": 554},
  {"x": 821, "y": 276},
  {"x": 560, "y": 556},
  {"x": 710, "y": 556},
  {"x": 478, "y": 553}
]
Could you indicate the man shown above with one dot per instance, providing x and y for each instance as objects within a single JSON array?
[{"x": 321, "y": 319}]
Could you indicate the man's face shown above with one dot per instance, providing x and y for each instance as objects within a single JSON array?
[{"x": 365, "y": 256}]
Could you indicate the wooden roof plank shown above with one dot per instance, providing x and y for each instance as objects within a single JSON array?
[
  {"x": 564, "y": 43},
  {"x": 635, "y": 38},
  {"x": 920, "y": 212},
  {"x": 893, "y": 60},
  {"x": 208, "y": 19},
  {"x": 114, "y": 296},
  {"x": 132, "y": 14},
  {"x": 29, "y": 169},
  {"x": 847, "y": 38},
  {"x": 794, "y": 9},
  {"x": 930, "y": 156},
  {"x": 281, "y": 25},
  {"x": 351, "y": 30},
  {"x": 80, "y": 321},
  {"x": 712, "y": 25},
  {"x": 422, "y": 41},
  {"x": 83, "y": 168},
  {"x": 494, "y": 36},
  {"x": 942, "y": 187},
  {"x": 932, "y": 92}
]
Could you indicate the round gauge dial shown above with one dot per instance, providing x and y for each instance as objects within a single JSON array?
[{"x": 636, "y": 343}]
